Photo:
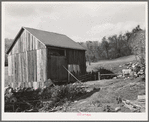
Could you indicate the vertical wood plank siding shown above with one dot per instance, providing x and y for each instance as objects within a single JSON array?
[
  {"x": 13, "y": 66},
  {"x": 9, "y": 65},
  {"x": 38, "y": 65},
  {"x": 27, "y": 61},
  {"x": 55, "y": 70},
  {"x": 77, "y": 57}
]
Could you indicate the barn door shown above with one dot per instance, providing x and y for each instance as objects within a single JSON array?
[{"x": 58, "y": 72}]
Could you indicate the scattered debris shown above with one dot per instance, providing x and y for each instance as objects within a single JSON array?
[
  {"x": 133, "y": 107},
  {"x": 119, "y": 100},
  {"x": 48, "y": 83},
  {"x": 114, "y": 77},
  {"x": 89, "y": 90},
  {"x": 126, "y": 72},
  {"x": 31, "y": 110},
  {"x": 117, "y": 109},
  {"x": 108, "y": 109},
  {"x": 141, "y": 98},
  {"x": 133, "y": 69},
  {"x": 82, "y": 102}
]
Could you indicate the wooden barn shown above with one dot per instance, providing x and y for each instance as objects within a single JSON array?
[{"x": 37, "y": 55}]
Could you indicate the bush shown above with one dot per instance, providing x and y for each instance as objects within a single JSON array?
[
  {"x": 21, "y": 99},
  {"x": 69, "y": 91},
  {"x": 62, "y": 94}
]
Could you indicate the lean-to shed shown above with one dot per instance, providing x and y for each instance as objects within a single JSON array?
[{"x": 37, "y": 55}]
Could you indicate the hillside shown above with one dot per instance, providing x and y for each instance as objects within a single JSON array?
[{"x": 115, "y": 65}]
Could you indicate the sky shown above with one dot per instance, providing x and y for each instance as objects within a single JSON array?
[{"x": 81, "y": 21}]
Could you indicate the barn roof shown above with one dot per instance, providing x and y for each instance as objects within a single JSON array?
[
  {"x": 50, "y": 39},
  {"x": 54, "y": 39}
]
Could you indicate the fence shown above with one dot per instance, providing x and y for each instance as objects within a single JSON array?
[
  {"x": 97, "y": 76},
  {"x": 108, "y": 75},
  {"x": 89, "y": 76}
]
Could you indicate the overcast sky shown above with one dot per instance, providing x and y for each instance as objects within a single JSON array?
[{"x": 81, "y": 21}]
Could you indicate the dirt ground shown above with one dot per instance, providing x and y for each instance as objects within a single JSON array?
[{"x": 106, "y": 93}]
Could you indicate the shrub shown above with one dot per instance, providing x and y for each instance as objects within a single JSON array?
[{"x": 69, "y": 91}]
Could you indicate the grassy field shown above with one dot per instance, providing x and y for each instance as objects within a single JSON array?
[{"x": 112, "y": 65}]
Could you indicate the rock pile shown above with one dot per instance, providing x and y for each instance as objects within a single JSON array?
[{"x": 132, "y": 69}]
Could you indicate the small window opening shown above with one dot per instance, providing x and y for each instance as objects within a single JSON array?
[{"x": 57, "y": 52}]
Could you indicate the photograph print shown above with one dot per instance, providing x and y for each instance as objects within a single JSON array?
[{"x": 79, "y": 58}]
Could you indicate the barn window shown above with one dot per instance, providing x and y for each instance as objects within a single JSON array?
[{"x": 57, "y": 52}]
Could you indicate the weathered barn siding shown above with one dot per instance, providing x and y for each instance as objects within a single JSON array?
[
  {"x": 74, "y": 58},
  {"x": 26, "y": 42},
  {"x": 27, "y": 61},
  {"x": 41, "y": 65},
  {"x": 55, "y": 69}
]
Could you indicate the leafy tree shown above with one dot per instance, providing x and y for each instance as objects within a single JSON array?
[
  {"x": 105, "y": 46},
  {"x": 136, "y": 29},
  {"x": 115, "y": 45},
  {"x": 127, "y": 42},
  {"x": 138, "y": 46}
]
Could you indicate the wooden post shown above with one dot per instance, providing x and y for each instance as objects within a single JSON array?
[
  {"x": 12, "y": 85},
  {"x": 98, "y": 75},
  {"x": 95, "y": 76},
  {"x": 133, "y": 74},
  {"x": 68, "y": 77},
  {"x": 68, "y": 74}
]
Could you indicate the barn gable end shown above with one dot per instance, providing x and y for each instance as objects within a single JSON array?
[{"x": 25, "y": 41}]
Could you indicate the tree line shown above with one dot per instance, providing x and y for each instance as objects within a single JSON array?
[{"x": 111, "y": 47}]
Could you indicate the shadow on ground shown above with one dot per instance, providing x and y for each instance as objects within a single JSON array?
[{"x": 88, "y": 94}]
